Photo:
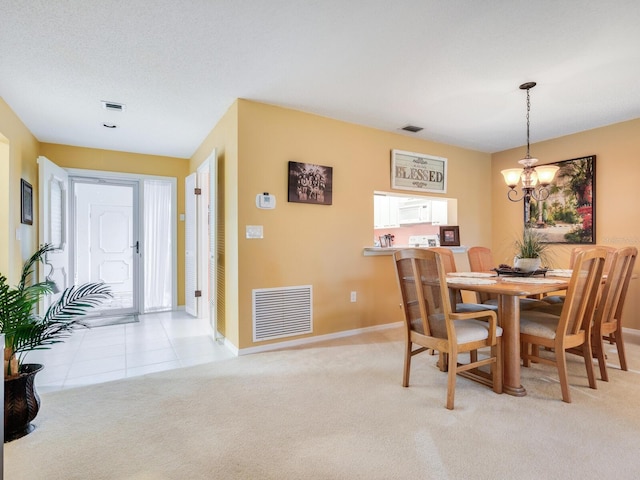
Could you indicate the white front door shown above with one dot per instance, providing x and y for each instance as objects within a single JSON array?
[
  {"x": 111, "y": 253},
  {"x": 107, "y": 245}
]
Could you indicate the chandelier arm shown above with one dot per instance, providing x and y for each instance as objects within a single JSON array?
[
  {"x": 540, "y": 193},
  {"x": 514, "y": 197}
]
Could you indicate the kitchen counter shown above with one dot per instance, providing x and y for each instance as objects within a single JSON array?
[{"x": 377, "y": 251}]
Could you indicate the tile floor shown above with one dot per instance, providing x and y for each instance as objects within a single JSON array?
[{"x": 159, "y": 341}]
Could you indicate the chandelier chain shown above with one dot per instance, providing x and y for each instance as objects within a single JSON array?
[{"x": 528, "y": 109}]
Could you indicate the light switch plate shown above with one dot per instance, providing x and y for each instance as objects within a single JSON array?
[{"x": 254, "y": 231}]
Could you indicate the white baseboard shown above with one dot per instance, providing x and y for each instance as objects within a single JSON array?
[
  {"x": 307, "y": 340},
  {"x": 631, "y": 335}
]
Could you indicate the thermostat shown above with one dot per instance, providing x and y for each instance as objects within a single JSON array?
[{"x": 264, "y": 200}]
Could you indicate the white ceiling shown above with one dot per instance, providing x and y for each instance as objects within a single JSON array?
[{"x": 450, "y": 66}]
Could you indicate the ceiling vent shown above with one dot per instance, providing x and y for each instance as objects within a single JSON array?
[
  {"x": 112, "y": 106},
  {"x": 412, "y": 128}
]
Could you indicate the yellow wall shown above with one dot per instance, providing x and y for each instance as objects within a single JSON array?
[
  {"x": 18, "y": 153},
  {"x": 617, "y": 150},
  {"x": 107, "y": 160},
  {"x": 322, "y": 245},
  {"x": 224, "y": 139}
]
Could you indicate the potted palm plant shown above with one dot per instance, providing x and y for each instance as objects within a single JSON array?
[
  {"x": 25, "y": 330},
  {"x": 531, "y": 251}
]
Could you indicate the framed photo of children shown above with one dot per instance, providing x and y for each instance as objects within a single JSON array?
[
  {"x": 310, "y": 183},
  {"x": 568, "y": 215}
]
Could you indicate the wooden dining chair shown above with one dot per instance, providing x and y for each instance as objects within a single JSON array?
[
  {"x": 572, "y": 258},
  {"x": 430, "y": 322},
  {"x": 572, "y": 328},
  {"x": 449, "y": 263},
  {"x": 607, "y": 323},
  {"x": 481, "y": 260}
]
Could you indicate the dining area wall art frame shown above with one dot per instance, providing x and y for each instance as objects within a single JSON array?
[
  {"x": 568, "y": 215},
  {"x": 418, "y": 172}
]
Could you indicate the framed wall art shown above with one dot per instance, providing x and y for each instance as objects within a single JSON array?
[
  {"x": 418, "y": 172},
  {"x": 450, "y": 236},
  {"x": 26, "y": 202},
  {"x": 309, "y": 183},
  {"x": 568, "y": 215}
]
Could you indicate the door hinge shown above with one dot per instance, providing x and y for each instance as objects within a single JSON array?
[
  {"x": 197, "y": 191},
  {"x": 198, "y": 293}
]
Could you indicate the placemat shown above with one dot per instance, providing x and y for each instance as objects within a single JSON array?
[
  {"x": 560, "y": 273},
  {"x": 471, "y": 281},
  {"x": 472, "y": 274},
  {"x": 531, "y": 280}
]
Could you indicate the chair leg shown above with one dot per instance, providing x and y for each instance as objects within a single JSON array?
[
  {"x": 535, "y": 351},
  {"x": 525, "y": 352},
  {"x": 598, "y": 352},
  {"x": 473, "y": 356},
  {"x": 496, "y": 367},
  {"x": 407, "y": 364},
  {"x": 443, "y": 362},
  {"x": 587, "y": 354},
  {"x": 620, "y": 347},
  {"x": 451, "y": 378},
  {"x": 561, "y": 362}
]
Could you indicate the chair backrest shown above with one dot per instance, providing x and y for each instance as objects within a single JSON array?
[
  {"x": 423, "y": 287},
  {"x": 614, "y": 291},
  {"x": 625, "y": 287},
  {"x": 481, "y": 260},
  {"x": 581, "y": 248},
  {"x": 449, "y": 265},
  {"x": 582, "y": 293},
  {"x": 448, "y": 260}
]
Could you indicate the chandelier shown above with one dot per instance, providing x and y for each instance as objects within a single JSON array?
[{"x": 535, "y": 180}]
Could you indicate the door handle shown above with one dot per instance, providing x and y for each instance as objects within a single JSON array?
[{"x": 137, "y": 246}]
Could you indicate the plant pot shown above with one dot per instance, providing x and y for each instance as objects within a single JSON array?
[
  {"x": 21, "y": 402},
  {"x": 527, "y": 264}
]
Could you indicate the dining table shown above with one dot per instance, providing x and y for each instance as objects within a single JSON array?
[{"x": 509, "y": 289}]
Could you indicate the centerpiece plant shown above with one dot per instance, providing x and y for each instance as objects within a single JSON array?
[{"x": 531, "y": 251}]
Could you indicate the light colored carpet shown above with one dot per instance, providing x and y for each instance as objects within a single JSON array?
[{"x": 333, "y": 410}]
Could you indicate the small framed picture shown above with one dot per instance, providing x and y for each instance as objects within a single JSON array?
[
  {"x": 450, "y": 236},
  {"x": 26, "y": 202}
]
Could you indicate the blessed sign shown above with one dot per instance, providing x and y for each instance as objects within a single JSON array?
[{"x": 418, "y": 172}]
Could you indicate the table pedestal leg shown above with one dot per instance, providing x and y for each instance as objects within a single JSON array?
[{"x": 509, "y": 317}]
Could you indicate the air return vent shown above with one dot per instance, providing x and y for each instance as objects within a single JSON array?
[
  {"x": 112, "y": 106},
  {"x": 282, "y": 312}
]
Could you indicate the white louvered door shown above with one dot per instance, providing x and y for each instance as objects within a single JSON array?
[{"x": 191, "y": 247}]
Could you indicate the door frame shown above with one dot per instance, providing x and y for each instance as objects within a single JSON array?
[{"x": 114, "y": 176}]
